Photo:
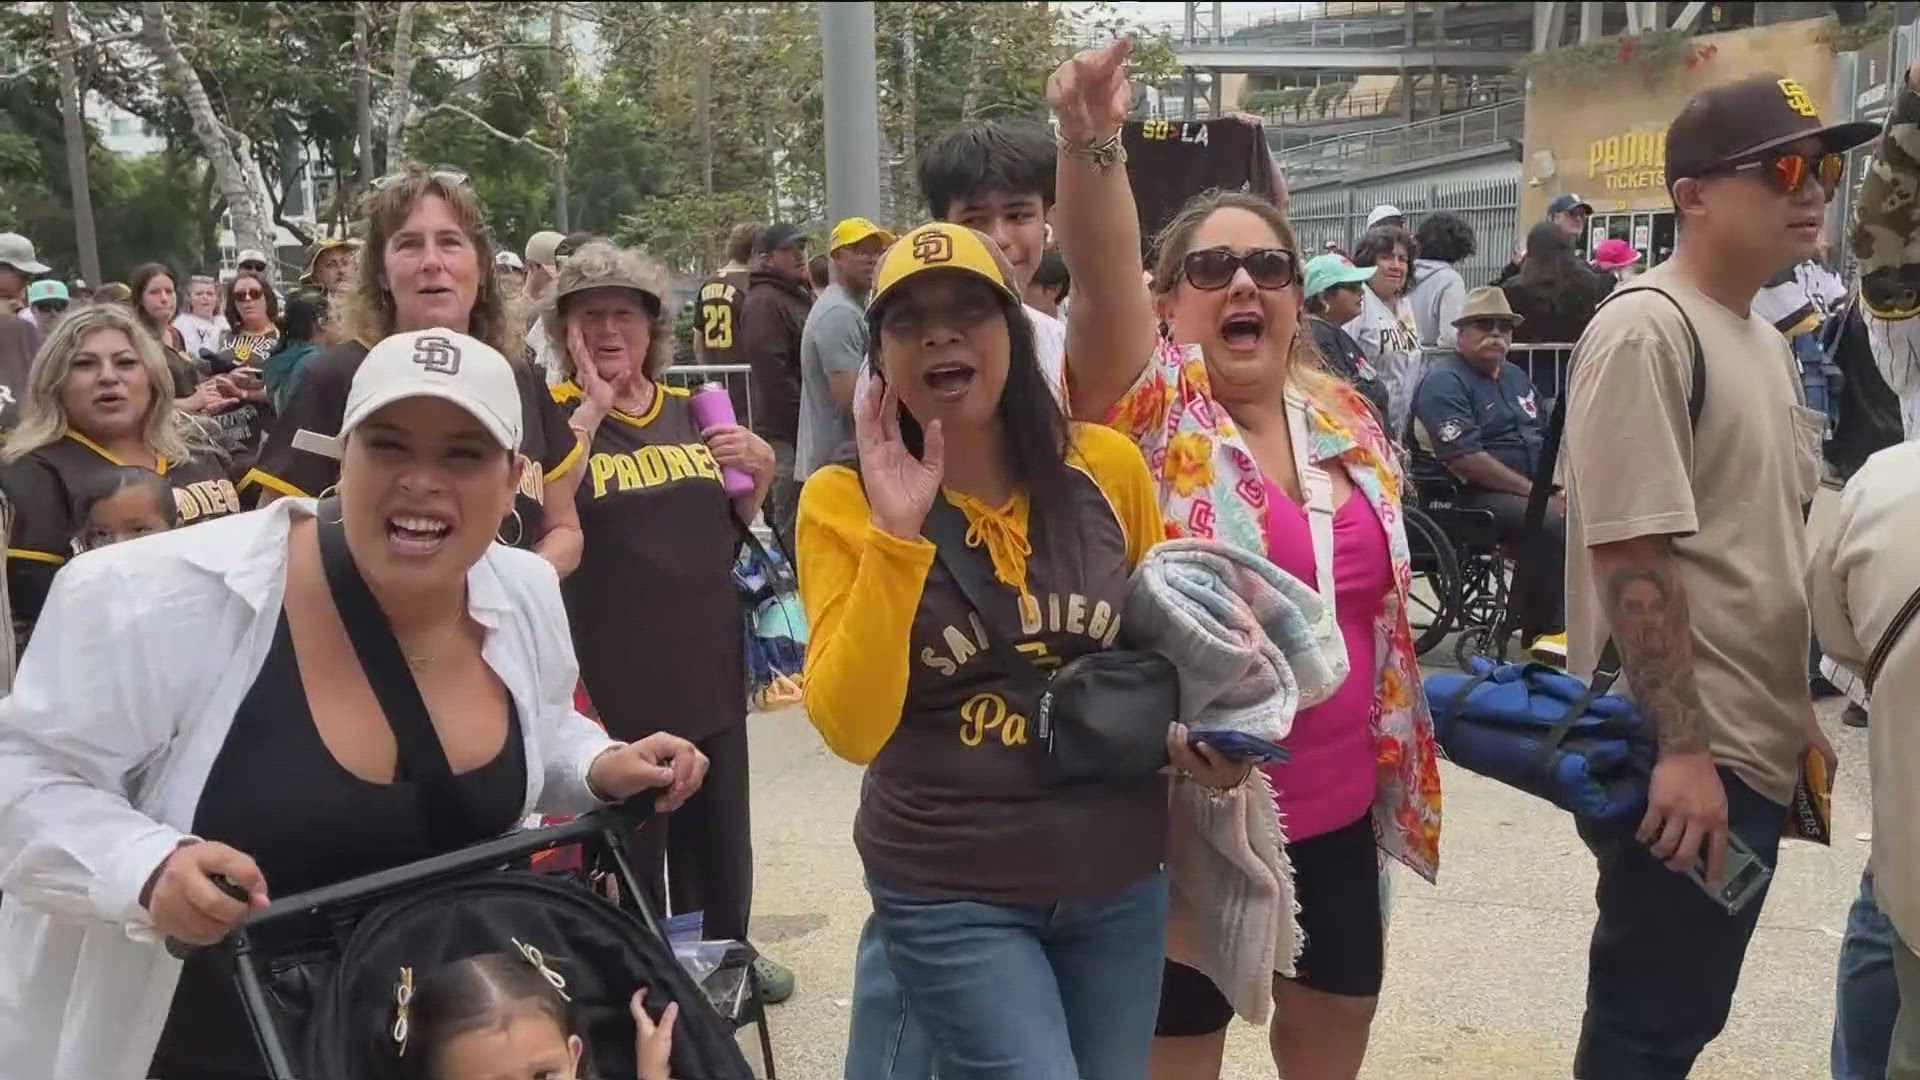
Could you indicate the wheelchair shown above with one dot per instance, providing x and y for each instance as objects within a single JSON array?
[{"x": 1462, "y": 572}]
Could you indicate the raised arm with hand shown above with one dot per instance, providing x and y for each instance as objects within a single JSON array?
[{"x": 1111, "y": 335}]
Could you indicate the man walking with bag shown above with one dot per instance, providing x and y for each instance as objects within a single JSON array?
[{"x": 1686, "y": 548}]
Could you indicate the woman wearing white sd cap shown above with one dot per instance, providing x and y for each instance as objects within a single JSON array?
[{"x": 135, "y": 764}]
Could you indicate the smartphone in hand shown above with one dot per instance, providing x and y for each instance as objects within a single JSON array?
[
  {"x": 1239, "y": 746},
  {"x": 1746, "y": 875}
]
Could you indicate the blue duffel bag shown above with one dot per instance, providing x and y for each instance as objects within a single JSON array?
[{"x": 1536, "y": 728}]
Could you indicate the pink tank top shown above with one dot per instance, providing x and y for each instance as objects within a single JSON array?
[{"x": 1329, "y": 780}]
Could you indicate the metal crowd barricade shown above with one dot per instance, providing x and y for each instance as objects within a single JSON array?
[
  {"x": 1546, "y": 364},
  {"x": 738, "y": 379}
]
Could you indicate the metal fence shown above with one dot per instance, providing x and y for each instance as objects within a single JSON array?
[
  {"x": 1339, "y": 214},
  {"x": 1383, "y": 147},
  {"x": 738, "y": 379},
  {"x": 1546, "y": 364}
]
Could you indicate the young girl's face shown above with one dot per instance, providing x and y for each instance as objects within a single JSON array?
[
  {"x": 123, "y": 515},
  {"x": 529, "y": 1045}
]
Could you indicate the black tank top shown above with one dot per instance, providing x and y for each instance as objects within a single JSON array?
[{"x": 277, "y": 793}]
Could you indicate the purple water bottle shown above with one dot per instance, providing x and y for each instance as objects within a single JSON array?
[{"x": 712, "y": 405}]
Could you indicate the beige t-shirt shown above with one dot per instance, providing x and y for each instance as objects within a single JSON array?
[
  {"x": 1730, "y": 494},
  {"x": 1864, "y": 568}
]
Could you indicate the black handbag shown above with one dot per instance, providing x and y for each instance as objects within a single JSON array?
[{"x": 1101, "y": 717}]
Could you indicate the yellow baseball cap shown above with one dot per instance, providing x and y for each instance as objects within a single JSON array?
[
  {"x": 942, "y": 245},
  {"x": 852, "y": 231}
]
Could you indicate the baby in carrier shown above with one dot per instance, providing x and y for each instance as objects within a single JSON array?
[{"x": 495, "y": 1017}]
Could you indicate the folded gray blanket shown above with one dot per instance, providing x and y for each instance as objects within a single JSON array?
[{"x": 1253, "y": 644}]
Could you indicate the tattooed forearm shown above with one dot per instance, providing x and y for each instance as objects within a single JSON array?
[{"x": 1647, "y": 610}]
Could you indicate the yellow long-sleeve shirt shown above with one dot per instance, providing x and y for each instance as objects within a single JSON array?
[{"x": 899, "y": 678}]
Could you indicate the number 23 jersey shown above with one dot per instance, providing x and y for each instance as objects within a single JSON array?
[{"x": 716, "y": 327}]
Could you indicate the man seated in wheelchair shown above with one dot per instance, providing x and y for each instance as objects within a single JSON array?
[{"x": 1479, "y": 416}]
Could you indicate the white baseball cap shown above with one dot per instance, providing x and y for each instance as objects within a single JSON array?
[
  {"x": 442, "y": 364},
  {"x": 17, "y": 251},
  {"x": 250, "y": 256},
  {"x": 1381, "y": 213},
  {"x": 507, "y": 260}
]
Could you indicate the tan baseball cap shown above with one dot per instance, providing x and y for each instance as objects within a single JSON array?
[{"x": 541, "y": 246}]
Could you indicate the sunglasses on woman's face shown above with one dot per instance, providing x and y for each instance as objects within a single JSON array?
[
  {"x": 1788, "y": 171},
  {"x": 1212, "y": 269},
  {"x": 242, "y": 296}
]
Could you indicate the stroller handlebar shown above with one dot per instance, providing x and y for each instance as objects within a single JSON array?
[{"x": 614, "y": 818}]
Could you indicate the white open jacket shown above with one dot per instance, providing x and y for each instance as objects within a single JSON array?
[{"x": 123, "y": 701}]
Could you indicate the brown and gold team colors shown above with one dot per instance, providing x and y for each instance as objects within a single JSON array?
[
  {"x": 656, "y": 620},
  {"x": 958, "y": 801},
  {"x": 291, "y": 468},
  {"x": 716, "y": 332},
  {"x": 43, "y": 487}
]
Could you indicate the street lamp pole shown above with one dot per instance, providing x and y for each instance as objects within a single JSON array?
[{"x": 852, "y": 111}]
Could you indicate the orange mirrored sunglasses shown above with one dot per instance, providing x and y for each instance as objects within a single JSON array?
[{"x": 1789, "y": 171}]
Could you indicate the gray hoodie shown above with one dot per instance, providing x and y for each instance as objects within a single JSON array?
[{"x": 1436, "y": 296}]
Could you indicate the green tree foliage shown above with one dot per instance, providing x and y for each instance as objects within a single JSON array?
[{"x": 695, "y": 115}]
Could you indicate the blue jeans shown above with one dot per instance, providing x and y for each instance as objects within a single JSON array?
[
  {"x": 884, "y": 1040},
  {"x": 1665, "y": 958},
  {"x": 1866, "y": 994},
  {"x": 1061, "y": 991}
]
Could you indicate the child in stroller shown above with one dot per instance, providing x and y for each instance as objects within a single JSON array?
[{"x": 497, "y": 1016}]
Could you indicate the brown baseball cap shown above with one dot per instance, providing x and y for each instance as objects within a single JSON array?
[{"x": 1739, "y": 121}]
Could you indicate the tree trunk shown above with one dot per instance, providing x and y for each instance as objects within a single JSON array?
[
  {"x": 703, "y": 98},
  {"x": 402, "y": 76},
  {"x": 229, "y": 152},
  {"x": 74, "y": 129},
  {"x": 906, "y": 180},
  {"x": 557, "y": 111},
  {"x": 363, "y": 89},
  {"x": 976, "y": 83}
]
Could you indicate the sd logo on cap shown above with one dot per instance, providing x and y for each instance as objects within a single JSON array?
[{"x": 942, "y": 246}]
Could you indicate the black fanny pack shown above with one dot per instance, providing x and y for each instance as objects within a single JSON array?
[{"x": 1099, "y": 718}]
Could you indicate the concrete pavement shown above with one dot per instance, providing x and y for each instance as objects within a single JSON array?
[{"x": 1485, "y": 973}]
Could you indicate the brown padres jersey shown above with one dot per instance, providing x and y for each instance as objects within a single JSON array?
[
  {"x": 960, "y": 802},
  {"x": 45, "y": 487},
  {"x": 716, "y": 328},
  {"x": 656, "y": 621}
]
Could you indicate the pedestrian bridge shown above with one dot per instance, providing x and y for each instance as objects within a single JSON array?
[{"x": 1253, "y": 56}]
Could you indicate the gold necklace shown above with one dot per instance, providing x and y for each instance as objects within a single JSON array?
[{"x": 422, "y": 661}]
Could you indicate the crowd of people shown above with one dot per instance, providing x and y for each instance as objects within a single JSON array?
[{"x": 971, "y": 435}]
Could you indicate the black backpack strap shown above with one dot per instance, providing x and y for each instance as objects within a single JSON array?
[
  {"x": 972, "y": 573},
  {"x": 1608, "y": 669},
  {"x": 422, "y": 758},
  {"x": 1889, "y": 638}
]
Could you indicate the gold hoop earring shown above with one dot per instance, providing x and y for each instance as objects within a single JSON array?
[
  {"x": 519, "y": 530},
  {"x": 331, "y": 490}
]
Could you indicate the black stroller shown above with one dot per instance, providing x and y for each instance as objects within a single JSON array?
[{"x": 319, "y": 971}]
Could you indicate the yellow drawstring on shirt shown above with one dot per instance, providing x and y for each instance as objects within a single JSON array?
[{"x": 1003, "y": 532}]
